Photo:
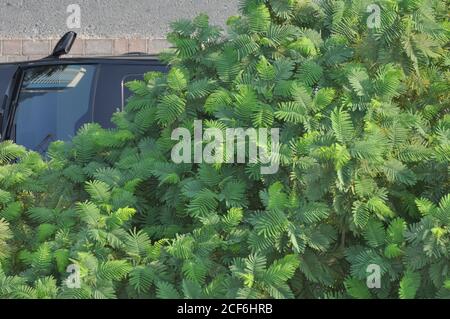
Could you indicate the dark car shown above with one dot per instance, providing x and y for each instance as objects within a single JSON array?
[{"x": 50, "y": 99}]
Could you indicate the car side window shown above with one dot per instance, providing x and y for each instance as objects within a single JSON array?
[
  {"x": 111, "y": 93},
  {"x": 6, "y": 75}
]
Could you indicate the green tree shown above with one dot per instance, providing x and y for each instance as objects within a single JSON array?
[{"x": 364, "y": 176}]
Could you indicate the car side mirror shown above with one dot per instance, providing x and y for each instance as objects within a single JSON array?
[{"x": 64, "y": 44}]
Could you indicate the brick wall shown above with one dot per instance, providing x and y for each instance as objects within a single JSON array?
[{"x": 26, "y": 49}]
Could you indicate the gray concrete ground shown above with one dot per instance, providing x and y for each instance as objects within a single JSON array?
[{"x": 46, "y": 19}]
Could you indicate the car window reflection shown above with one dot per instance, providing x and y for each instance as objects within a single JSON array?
[{"x": 53, "y": 102}]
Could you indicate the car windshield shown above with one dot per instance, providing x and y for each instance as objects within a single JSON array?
[{"x": 54, "y": 101}]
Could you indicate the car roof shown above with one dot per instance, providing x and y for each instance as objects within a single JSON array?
[{"x": 129, "y": 58}]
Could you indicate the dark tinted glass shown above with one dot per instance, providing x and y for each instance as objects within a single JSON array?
[
  {"x": 6, "y": 74},
  {"x": 54, "y": 102},
  {"x": 110, "y": 93}
]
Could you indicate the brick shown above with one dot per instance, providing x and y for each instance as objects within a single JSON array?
[
  {"x": 78, "y": 47},
  {"x": 98, "y": 47},
  {"x": 36, "y": 47},
  {"x": 36, "y": 57},
  {"x": 120, "y": 46},
  {"x": 12, "y": 47},
  {"x": 137, "y": 45},
  {"x": 156, "y": 46},
  {"x": 17, "y": 58}
]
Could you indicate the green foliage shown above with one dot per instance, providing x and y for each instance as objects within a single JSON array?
[{"x": 363, "y": 178}]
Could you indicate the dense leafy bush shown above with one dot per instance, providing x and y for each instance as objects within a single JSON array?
[{"x": 364, "y": 175}]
